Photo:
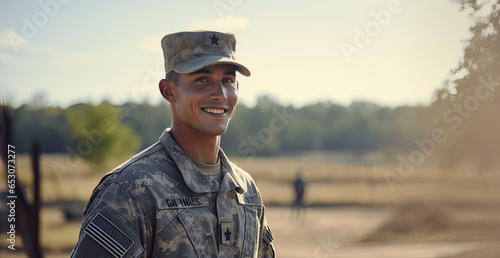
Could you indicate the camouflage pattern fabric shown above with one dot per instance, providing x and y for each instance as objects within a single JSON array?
[
  {"x": 188, "y": 51},
  {"x": 158, "y": 204}
]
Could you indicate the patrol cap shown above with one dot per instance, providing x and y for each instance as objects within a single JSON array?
[{"x": 186, "y": 52}]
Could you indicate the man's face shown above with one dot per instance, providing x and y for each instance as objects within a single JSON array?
[{"x": 205, "y": 100}]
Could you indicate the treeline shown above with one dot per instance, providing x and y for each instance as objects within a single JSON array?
[
  {"x": 268, "y": 128},
  {"x": 461, "y": 123}
]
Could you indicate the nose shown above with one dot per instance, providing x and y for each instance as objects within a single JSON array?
[{"x": 219, "y": 93}]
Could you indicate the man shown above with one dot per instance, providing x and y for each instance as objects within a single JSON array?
[
  {"x": 182, "y": 197},
  {"x": 299, "y": 184}
]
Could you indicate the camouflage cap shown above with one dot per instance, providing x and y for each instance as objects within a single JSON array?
[{"x": 186, "y": 52}]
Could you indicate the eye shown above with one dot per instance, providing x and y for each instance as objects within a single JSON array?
[
  {"x": 227, "y": 80},
  {"x": 201, "y": 79}
]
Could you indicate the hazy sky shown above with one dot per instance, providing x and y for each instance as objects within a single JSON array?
[{"x": 387, "y": 51}]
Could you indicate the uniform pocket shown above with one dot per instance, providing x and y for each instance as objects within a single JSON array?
[
  {"x": 183, "y": 237},
  {"x": 252, "y": 232},
  {"x": 195, "y": 234}
]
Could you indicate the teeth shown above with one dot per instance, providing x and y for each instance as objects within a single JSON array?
[{"x": 215, "y": 111}]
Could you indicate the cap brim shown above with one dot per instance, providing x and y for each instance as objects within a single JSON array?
[{"x": 204, "y": 61}]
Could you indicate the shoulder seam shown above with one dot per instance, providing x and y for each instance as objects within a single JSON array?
[
  {"x": 135, "y": 200},
  {"x": 152, "y": 149}
]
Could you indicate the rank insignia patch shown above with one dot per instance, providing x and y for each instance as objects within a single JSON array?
[
  {"x": 213, "y": 39},
  {"x": 227, "y": 233}
]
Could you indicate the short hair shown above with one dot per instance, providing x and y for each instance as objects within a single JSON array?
[{"x": 172, "y": 76}]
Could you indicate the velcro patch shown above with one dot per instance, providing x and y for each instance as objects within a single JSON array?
[
  {"x": 109, "y": 236},
  {"x": 213, "y": 39},
  {"x": 227, "y": 233},
  {"x": 179, "y": 203},
  {"x": 248, "y": 200}
]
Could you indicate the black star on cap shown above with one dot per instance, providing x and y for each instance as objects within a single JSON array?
[
  {"x": 215, "y": 41},
  {"x": 228, "y": 235}
]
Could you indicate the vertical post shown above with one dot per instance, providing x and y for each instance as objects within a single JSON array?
[
  {"x": 35, "y": 162},
  {"x": 23, "y": 207}
]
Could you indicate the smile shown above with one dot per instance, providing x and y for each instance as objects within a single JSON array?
[{"x": 214, "y": 110}]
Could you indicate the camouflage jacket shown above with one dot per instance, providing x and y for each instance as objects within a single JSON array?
[{"x": 158, "y": 204}]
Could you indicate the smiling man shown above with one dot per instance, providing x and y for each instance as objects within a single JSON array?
[{"x": 182, "y": 197}]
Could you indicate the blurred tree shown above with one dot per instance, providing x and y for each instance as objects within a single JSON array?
[
  {"x": 252, "y": 127},
  {"x": 265, "y": 129},
  {"x": 147, "y": 120},
  {"x": 237, "y": 129},
  {"x": 98, "y": 134},
  {"x": 39, "y": 101},
  {"x": 46, "y": 125},
  {"x": 469, "y": 100}
]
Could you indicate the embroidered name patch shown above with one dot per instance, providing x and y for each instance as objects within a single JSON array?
[{"x": 187, "y": 202}]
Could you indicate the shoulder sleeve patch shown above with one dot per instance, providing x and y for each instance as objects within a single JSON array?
[{"x": 109, "y": 236}]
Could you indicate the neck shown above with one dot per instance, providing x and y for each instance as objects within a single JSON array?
[{"x": 197, "y": 146}]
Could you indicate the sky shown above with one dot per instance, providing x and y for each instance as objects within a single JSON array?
[{"x": 390, "y": 52}]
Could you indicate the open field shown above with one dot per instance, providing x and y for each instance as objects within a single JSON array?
[{"x": 353, "y": 210}]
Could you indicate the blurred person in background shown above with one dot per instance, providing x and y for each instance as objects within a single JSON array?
[{"x": 299, "y": 185}]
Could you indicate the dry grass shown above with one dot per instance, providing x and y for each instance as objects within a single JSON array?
[
  {"x": 334, "y": 182},
  {"x": 63, "y": 177},
  {"x": 459, "y": 207}
]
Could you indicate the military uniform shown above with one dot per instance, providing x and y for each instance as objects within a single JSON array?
[{"x": 159, "y": 204}]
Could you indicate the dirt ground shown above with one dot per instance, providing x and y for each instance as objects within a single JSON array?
[{"x": 340, "y": 232}]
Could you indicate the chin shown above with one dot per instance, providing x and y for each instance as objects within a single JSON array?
[
  {"x": 216, "y": 131},
  {"x": 220, "y": 132}
]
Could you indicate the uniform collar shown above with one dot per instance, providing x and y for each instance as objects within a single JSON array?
[{"x": 193, "y": 177}]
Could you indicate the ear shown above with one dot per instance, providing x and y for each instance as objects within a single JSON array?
[{"x": 167, "y": 90}]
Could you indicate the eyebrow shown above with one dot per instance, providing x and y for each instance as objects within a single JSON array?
[
  {"x": 228, "y": 72},
  {"x": 202, "y": 71}
]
